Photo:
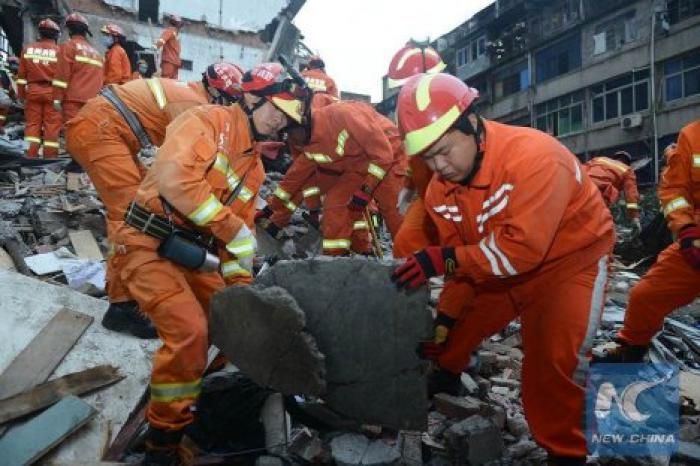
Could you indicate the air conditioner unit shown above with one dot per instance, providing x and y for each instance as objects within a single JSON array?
[{"x": 631, "y": 121}]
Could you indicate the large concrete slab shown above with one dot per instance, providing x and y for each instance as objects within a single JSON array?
[
  {"x": 262, "y": 331},
  {"x": 26, "y": 306},
  {"x": 368, "y": 331}
]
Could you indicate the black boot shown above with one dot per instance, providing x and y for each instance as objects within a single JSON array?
[
  {"x": 442, "y": 381},
  {"x": 622, "y": 353},
  {"x": 163, "y": 448},
  {"x": 553, "y": 460},
  {"x": 126, "y": 318}
]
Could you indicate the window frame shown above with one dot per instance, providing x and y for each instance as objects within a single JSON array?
[
  {"x": 605, "y": 93},
  {"x": 681, "y": 72},
  {"x": 554, "y": 108}
]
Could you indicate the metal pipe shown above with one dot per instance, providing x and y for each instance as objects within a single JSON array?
[{"x": 652, "y": 79}]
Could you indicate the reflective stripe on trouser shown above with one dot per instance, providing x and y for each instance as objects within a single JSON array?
[
  {"x": 557, "y": 321},
  {"x": 176, "y": 300},
  {"x": 338, "y": 221},
  {"x": 417, "y": 231},
  {"x": 43, "y": 125},
  {"x": 669, "y": 284},
  {"x": 109, "y": 163}
]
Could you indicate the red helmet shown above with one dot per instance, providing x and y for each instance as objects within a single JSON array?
[
  {"x": 49, "y": 25},
  {"x": 112, "y": 29},
  {"x": 270, "y": 80},
  {"x": 428, "y": 105},
  {"x": 225, "y": 78},
  {"x": 413, "y": 59},
  {"x": 77, "y": 18},
  {"x": 316, "y": 62},
  {"x": 175, "y": 20}
]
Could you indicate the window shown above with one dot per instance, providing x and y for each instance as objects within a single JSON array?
[
  {"x": 511, "y": 80},
  {"x": 679, "y": 10},
  {"x": 558, "y": 59},
  {"x": 148, "y": 9},
  {"x": 561, "y": 116},
  {"x": 613, "y": 34},
  {"x": 621, "y": 96},
  {"x": 471, "y": 52},
  {"x": 186, "y": 65},
  {"x": 682, "y": 76}
]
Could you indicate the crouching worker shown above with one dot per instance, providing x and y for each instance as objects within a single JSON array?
[
  {"x": 196, "y": 202},
  {"x": 523, "y": 232}
]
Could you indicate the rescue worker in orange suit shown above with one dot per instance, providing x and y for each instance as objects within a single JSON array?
[
  {"x": 674, "y": 280},
  {"x": 417, "y": 230},
  {"x": 317, "y": 79},
  {"x": 170, "y": 43},
  {"x": 79, "y": 72},
  {"x": 117, "y": 68},
  {"x": 612, "y": 175},
  {"x": 522, "y": 225},
  {"x": 358, "y": 156},
  {"x": 8, "y": 87},
  {"x": 37, "y": 67},
  {"x": 106, "y": 147},
  {"x": 141, "y": 70},
  {"x": 204, "y": 180}
]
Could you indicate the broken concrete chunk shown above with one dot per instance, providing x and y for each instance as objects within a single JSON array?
[
  {"x": 517, "y": 425},
  {"x": 262, "y": 332},
  {"x": 522, "y": 448},
  {"x": 306, "y": 445},
  {"x": 456, "y": 407},
  {"x": 368, "y": 331},
  {"x": 474, "y": 441},
  {"x": 468, "y": 383},
  {"x": 269, "y": 461},
  {"x": 504, "y": 382},
  {"x": 358, "y": 450}
]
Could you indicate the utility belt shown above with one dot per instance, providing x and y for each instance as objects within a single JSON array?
[
  {"x": 185, "y": 247},
  {"x": 129, "y": 117}
]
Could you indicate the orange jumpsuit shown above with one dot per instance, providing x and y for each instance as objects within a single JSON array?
[
  {"x": 100, "y": 140},
  {"x": 117, "y": 67},
  {"x": 351, "y": 145},
  {"x": 532, "y": 239},
  {"x": 37, "y": 67},
  {"x": 417, "y": 229},
  {"x": 319, "y": 81},
  {"x": 78, "y": 75},
  {"x": 611, "y": 177},
  {"x": 207, "y": 151},
  {"x": 671, "y": 282},
  {"x": 170, "y": 59}
]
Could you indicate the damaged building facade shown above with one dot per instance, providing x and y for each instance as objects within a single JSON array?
[
  {"x": 580, "y": 70},
  {"x": 232, "y": 30}
]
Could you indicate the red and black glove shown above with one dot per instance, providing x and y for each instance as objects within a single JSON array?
[
  {"x": 360, "y": 199},
  {"x": 432, "y": 350},
  {"x": 265, "y": 213},
  {"x": 691, "y": 253},
  {"x": 432, "y": 261},
  {"x": 313, "y": 218}
]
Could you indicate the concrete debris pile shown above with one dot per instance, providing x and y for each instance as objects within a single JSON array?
[{"x": 52, "y": 225}]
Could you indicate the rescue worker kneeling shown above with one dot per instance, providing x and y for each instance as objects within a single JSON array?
[
  {"x": 523, "y": 233},
  {"x": 107, "y": 135},
  {"x": 203, "y": 183}
]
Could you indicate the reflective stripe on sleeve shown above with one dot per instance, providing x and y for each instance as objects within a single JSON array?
[
  {"x": 242, "y": 247},
  {"x": 206, "y": 211},
  {"x": 158, "y": 92},
  {"x": 57, "y": 83},
  {"x": 23, "y": 81},
  {"x": 311, "y": 191},
  {"x": 32, "y": 139},
  {"x": 318, "y": 158},
  {"x": 342, "y": 138},
  {"x": 53, "y": 144},
  {"x": 167, "y": 392},
  {"x": 233, "y": 269},
  {"x": 376, "y": 171},
  {"x": 633, "y": 205},
  {"x": 282, "y": 194},
  {"x": 88, "y": 61},
  {"x": 675, "y": 204}
]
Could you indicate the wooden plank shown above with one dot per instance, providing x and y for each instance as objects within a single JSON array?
[
  {"x": 85, "y": 245},
  {"x": 25, "y": 444},
  {"x": 132, "y": 426},
  {"x": 38, "y": 360},
  {"x": 48, "y": 393}
]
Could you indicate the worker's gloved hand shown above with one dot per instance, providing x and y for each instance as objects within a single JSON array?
[
  {"x": 636, "y": 227},
  {"x": 243, "y": 246},
  {"x": 688, "y": 237},
  {"x": 432, "y": 261},
  {"x": 57, "y": 105},
  {"x": 431, "y": 350},
  {"x": 360, "y": 199},
  {"x": 405, "y": 198},
  {"x": 314, "y": 218}
]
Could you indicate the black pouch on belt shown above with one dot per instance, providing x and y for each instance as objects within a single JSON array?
[{"x": 181, "y": 250}]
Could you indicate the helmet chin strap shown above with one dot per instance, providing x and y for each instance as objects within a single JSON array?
[
  {"x": 464, "y": 125},
  {"x": 249, "y": 113}
]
